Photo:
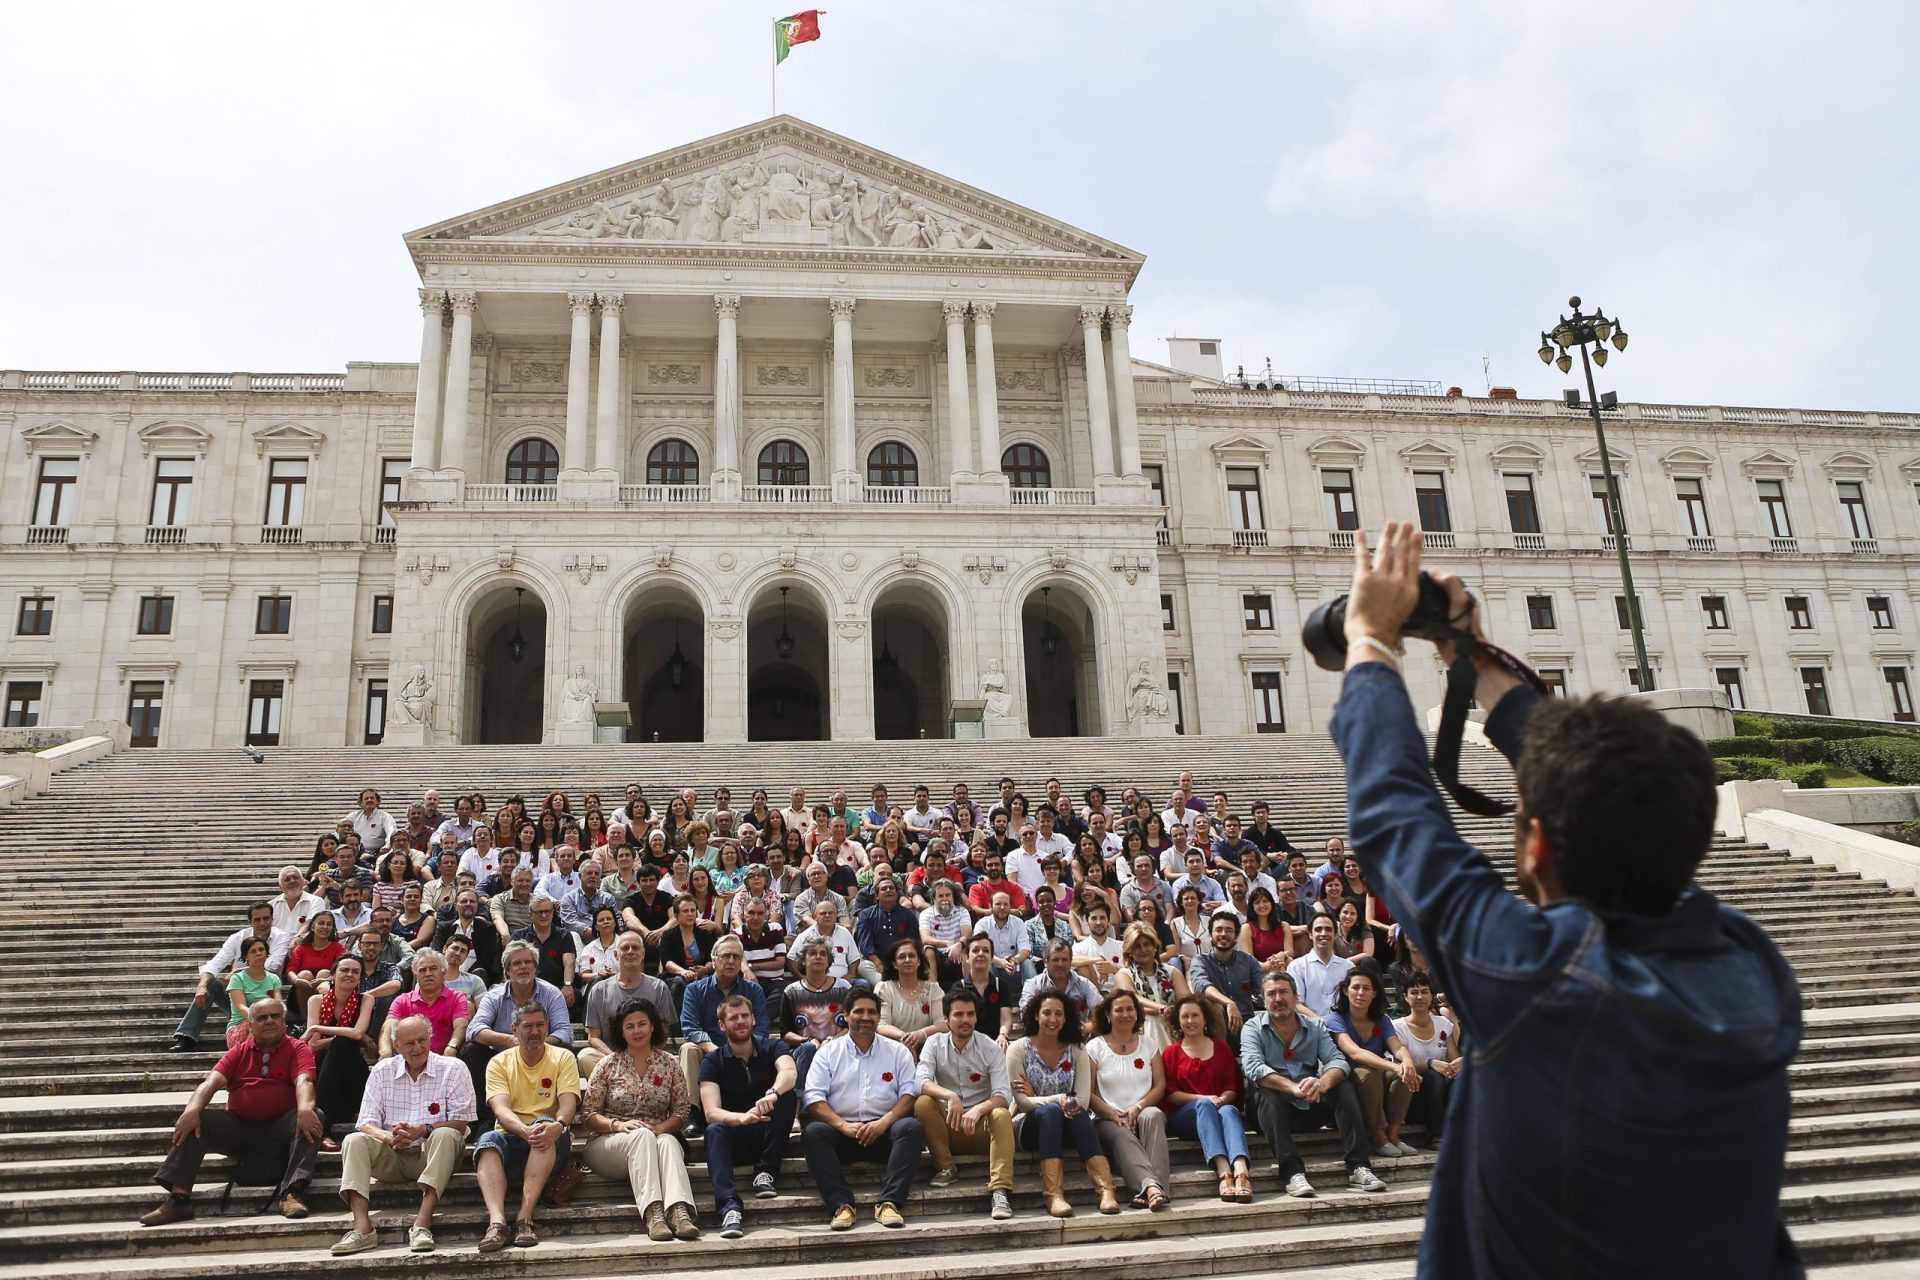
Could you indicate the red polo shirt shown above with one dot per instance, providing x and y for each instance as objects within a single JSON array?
[{"x": 260, "y": 1085}]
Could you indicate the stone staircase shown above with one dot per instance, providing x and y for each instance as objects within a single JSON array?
[{"x": 87, "y": 1100}]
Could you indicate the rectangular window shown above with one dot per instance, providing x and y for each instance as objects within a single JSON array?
[
  {"x": 376, "y": 726},
  {"x": 1620, "y": 611},
  {"x": 1523, "y": 511},
  {"x": 286, "y": 492},
  {"x": 1430, "y": 498},
  {"x": 1799, "y": 613},
  {"x": 1715, "y": 609},
  {"x": 1880, "y": 612},
  {"x": 1813, "y": 681},
  {"x": 383, "y": 615},
  {"x": 273, "y": 616},
  {"x": 265, "y": 701},
  {"x": 23, "y": 704},
  {"x": 1556, "y": 681},
  {"x": 1603, "y": 509},
  {"x": 1166, "y": 613},
  {"x": 36, "y": 616},
  {"x": 1540, "y": 613},
  {"x": 1256, "y": 612},
  {"x": 172, "y": 492},
  {"x": 1853, "y": 501},
  {"x": 1633, "y": 679},
  {"x": 1343, "y": 512},
  {"x": 156, "y": 616},
  {"x": 1693, "y": 506},
  {"x": 1898, "y": 690},
  {"x": 1179, "y": 701},
  {"x": 1243, "y": 498},
  {"x": 54, "y": 498},
  {"x": 1728, "y": 678},
  {"x": 1773, "y": 501},
  {"x": 1268, "y": 715},
  {"x": 143, "y": 712},
  {"x": 392, "y": 471}
]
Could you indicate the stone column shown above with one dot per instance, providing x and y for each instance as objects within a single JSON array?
[
  {"x": 959, "y": 421},
  {"x": 846, "y": 470},
  {"x": 573, "y": 453},
  {"x": 426, "y": 395},
  {"x": 1099, "y": 424},
  {"x": 453, "y": 446},
  {"x": 606, "y": 423},
  {"x": 988, "y": 390},
  {"x": 1126, "y": 420},
  {"x": 726, "y": 399}
]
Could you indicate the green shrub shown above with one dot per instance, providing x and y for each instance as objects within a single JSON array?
[
  {"x": 1805, "y": 775},
  {"x": 1747, "y": 768},
  {"x": 1830, "y": 731},
  {"x": 1889, "y": 757},
  {"x": 1746, "y": 724},
  {"x": 1741, "y": 746},
  {"x": 1800, "y": 750}
]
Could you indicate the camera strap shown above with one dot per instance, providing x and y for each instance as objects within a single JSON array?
[{"x": 1462, "y": 676}]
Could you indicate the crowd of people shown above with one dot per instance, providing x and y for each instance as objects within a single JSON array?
[{"x": 1071, "y": 977}]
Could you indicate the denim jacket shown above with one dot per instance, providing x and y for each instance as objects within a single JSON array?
[{"x": 1624, "y": 1105}]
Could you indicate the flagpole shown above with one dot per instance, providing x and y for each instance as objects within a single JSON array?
[{"x": 773, "y": 79}]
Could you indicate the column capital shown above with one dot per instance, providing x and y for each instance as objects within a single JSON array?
[
  {"x": 1120, "y": 315},
  {"x": 463, "y": 301},
  {"x": 983, "y": 313},
  {"x": 612, "y": 303},
  {"x": 841, "y": 306},
  {"x": 580, "y": 304},
  {"x": 726, "y": 305},
  {"x": 1091, "y": 315},
  {"x": 955, "y": 310},
  {"x": 433, "y": 301}
]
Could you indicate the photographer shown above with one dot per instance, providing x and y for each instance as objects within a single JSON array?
[{"x": 1625, "y": 1102}]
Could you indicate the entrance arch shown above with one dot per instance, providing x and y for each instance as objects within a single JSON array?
[
  {"x": 506, "y": 676},
  {"x": 1063, "y": 669},
  {"x": 663, "y": 664},
  {"x": 911, "y": 671},
  {"x": 788, "y": 678}
]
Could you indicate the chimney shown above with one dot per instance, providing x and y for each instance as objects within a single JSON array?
[
  {"x": 1454, "y": 393},
  {"x": 1502, "y": 393}
]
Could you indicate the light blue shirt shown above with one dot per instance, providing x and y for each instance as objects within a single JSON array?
[{"x": 860, "y": 1086}]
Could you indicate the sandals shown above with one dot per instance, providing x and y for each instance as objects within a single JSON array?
[
  {"x": 1243, "y": 1188},
  {"x": 1227, "y": 1191},
  {"x": 1156, "y": 1198}
]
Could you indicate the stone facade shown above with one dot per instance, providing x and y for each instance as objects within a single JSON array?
[{"x": 774, "y": 435}]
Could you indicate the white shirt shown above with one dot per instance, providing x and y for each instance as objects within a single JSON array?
[
  {"x": 797, "y": 819},
  {"x": 480, "y": 864},
  {"x": 292, "y": 920},
  {"x": 1090, "y": 948},
  {"x": 228, "y": 956},
  {"x": 1173, "y": 860},
  {"x": 1009, "y": 941},
  {"x": 1053, "y": 846},
  {"x": 917, "y": 820},
  {"x": 1023, "y": 869},
  {"x": 463, "y": 831},
  {"x": 976, "y": 1073},
  {"x": 374, "y": 829},
  {"x": 860, "y": 1086},
  {"x": 557, "y": 886},
  {"x": 1319, "y": 980},
  {"x": 845, "y": 952},
  {"x": 1426, "y": 1051}
]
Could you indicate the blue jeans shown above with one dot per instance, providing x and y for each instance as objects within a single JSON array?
[
  {"x": 1219, "y": 1130},
  {"x": 1046, "y": 1128},
  {"x": 513, "y": 1152},
  {"x": 764, "y": 1144},
  {"x": 191, "y": 1020}
]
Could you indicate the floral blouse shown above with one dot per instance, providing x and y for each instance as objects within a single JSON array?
[{"x": 651, "y": 1091}]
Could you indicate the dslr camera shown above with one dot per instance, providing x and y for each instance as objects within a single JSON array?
[{"x": 1325, "y": 632}]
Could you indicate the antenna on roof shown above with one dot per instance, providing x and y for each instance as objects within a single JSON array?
[{"x": 1486, "y": 370}]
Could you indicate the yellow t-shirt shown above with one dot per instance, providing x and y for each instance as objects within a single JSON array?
[{"x": 533, "y": 1091}]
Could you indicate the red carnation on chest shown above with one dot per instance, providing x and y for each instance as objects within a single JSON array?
[
  {"x": 887, "y": 1076},
  {"x": 1139, "y": 1064},
  {"x": 1289, "y": 1055},
  {"x": 433, "y": 1108},
  {"x": 546, "y": 1082},
  {"x": 833, "y": 1008},
  {"x": 926, "y": 1008},
  {"x": 658, "y": 1081},
  {"x": 974, "y": 1076}
]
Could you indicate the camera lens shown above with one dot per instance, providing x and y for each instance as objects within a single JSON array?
[{"x": 1325, "y": 634}]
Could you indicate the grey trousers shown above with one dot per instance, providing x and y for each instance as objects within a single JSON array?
[{"x": 1139, "y": 1158}]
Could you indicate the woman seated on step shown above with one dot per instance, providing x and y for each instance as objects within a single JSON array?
[
  {"x": 635, "y": 1104},
  {"x": 1052, "y": 1081}
]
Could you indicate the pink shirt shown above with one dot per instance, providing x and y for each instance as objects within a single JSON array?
[{"x": 441, "y": 1013}]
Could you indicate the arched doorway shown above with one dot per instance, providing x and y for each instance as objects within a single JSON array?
[
  {"x": 506, "y": 666},
  {"x": 788, "y": 681},
  {"x": 1063, "y": 677},
  {"x": 664, "y": 672},
  {"x": 910, "y": 665}
]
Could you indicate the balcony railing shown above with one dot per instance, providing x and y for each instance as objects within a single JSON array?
[
  {"x": 1023, "y": 497},
  {"x": 1250, "y": 538},
  {"x": 1701, "y": 542},
  {"x": 280, "y": 535},
  {"x": 1607, "y": 542},
  {"x": 1442, "y": 541},
  {"x": 1529, "y": 542},
  {"x": 1340, "y": 539},
  {"x": 1783, "y": 546},
  {"x": 1163, "y": 536},
  {"x": 166, "y": 535},
  {"x": 512, "y": 492},
  {"x": 650, "y": 495},
  {"x": 384, "y": 535},
  {"x": 800, "y": 494},
  {"x": 1866, "y": 546},
  {"x": 47, "y": 535},
  {"x": 907, "y": 495}
]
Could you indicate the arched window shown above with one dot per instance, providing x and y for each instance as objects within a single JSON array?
[
  {"x": 783, "y": 462},
  {"x": 1026, "y": 467},
  {"x": 673, "y": 462},
  {"x": 893, "y": 463},
  {"x": 533, "y": 461}
]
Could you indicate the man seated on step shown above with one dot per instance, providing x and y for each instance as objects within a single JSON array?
[
  {"x": 577, "y": 906},
  {"x": 210, "y": 990},
  {"x": 466, "y": 914},
  {"x": 1319, "y": 974},
  {"x": 461, "y": 824},
  {"x": 353, "y": 916},
  {"x": 270, "y": 1118},
  {"x": 412, "y": 1127},
  {"x": 446, "y": 1010},
  {"x": 1144, "y": 882},
  {"x": 1012, "y": 946},
  {"x": 442, "y": 882},
  {"x": 1226, "y": 976},
  {"x": 482, "y": 864},
  {"x": 630, "y": 981},
  {"x": 1058, "y": 975},
  {"x": 965, "y": 1103},
  {"x": 533, "y": 1091},
  {"x": 1211, "y": 894},
  {"x": 293, "y": 906},
  {"x": 564, "y": 878},
  {"x": 700, "y": 1004},
  {"x": 749, "y": 1094},
  {"x": 558, "y": 949},
  {"x": 512, "y": 911},
  {"x": 848, "y": 963},
  {"x": 800, "y": 907},
  {"x": 491, "y": 1029},
  {"x": 859, "y": 1099},
  {"x": 1300, "y": 1082}
]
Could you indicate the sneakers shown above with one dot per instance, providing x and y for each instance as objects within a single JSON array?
[
  {"x": 498, "y": 1234},
  {"x": 943, "y": 1177},
  {"x": 1388, "y": 1151},
  {"x": 764, "y": 1187},
  {"x": 419, "y": 1240},
  {"x": 168, "y": 1210},
  {"x": 1364, "y": 1179},
  {"x": 1299, "y": 1188},
  {"x": 888, "y": 1216},
  {"x": 561, "y": 1186},
  {"x": 842, "y": 1219},
  {"x": 355, "y": 1242},
  {"x": 292, "y": 1206},
  {"x": 1002, "y": 1206},
  {"x": 733, "y": 1224}
]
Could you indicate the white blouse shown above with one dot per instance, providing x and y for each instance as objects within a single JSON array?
[
  {"x": 1426, "y": 1051},
  {"x": 1122, "y": 1080}
]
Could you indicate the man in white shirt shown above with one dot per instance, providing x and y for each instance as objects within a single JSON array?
[
  {"x": 372, "y": 824},
  {"x": 1176, "y": 811},
  {"x": 1023, "y": 864},
  {"x": 461, "y": 823},
  {"x": 923, "y": 820},
  {"x": 965, "y": 1101},
  {"x": 1318, "y": 974},
  {"x": 628, "y": 814},
  {"x": 210, "y": 995},
  {"x": 295, "y": 906},
  {"x": 1173, "y": 858},
  {"x": 796, "y": 815},
  {"x": 483, "y": 863},
  {"x": 1047, "y": 842},
  {"x": 563, "y": 879},
  {"x": 1111, "y": 846},
  {"x": 837, "y": 850},
  {"x": 847, "y": 962},
  {"x": 1008, "y": 933},
  {"x": 859, "y": 1100},
  {"x": 1097, "y": 956}
]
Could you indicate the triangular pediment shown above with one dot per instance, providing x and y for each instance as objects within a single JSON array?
[
  {"x": 1428, "y": 453},
  {"x": 288, "y": 437},
  {"x": 174, "y": 437},
  {"x": 780, "y": 184},
  {"x": 59, "y": 437},
  {"x": 1687, "y": 460},
  {"x": 1770, "y": 464},
  {"x": 1241, "y": 446}
]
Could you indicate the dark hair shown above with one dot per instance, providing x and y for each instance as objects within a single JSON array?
[
  {"x": 1259, "y": 892},
  {"x": 246, "y": 951},
  {"x": 1222, "y": 914},
  {"x": 961, "y": 993},
  {"x": 1181, "y": 1002},
  {"x": 1071, "y": 1031},
  {"x": 862, "y": 993},
  {"x": 1376, "y": 1008},
  {"x": 890, "y": 958},
  {"x": 616, "y": 1032},
  {"x": 1418, "y": 978},
  {"x": 1627, "y": 800},
  {"x": 1103, "y": 1012}
]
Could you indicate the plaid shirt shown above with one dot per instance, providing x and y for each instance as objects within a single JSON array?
[{"x": 443, "y": 1093}]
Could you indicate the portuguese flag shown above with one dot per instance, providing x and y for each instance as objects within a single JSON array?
[{"x": 794, "y": 29}]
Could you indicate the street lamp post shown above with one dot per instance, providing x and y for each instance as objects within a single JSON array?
[{"x": 1578, "y": 331}]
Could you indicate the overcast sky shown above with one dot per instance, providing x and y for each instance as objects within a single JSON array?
[{"x": 1351, "y": 188}]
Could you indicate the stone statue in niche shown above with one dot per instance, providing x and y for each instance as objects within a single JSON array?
[
  {"x": 1146, "y": 700},
  {"x": 993, "y": 688},
  {"x": 577, "y": 696},
  {"x": 414, "y": 703}
]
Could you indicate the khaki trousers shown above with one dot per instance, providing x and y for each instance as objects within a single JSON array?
[
  {"x": 431, "y": 1164},
  {"x": 1380, "y": 1105},
  {"x": 654, "y": 1165},
  {"x": 994, "y": 1137}
]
